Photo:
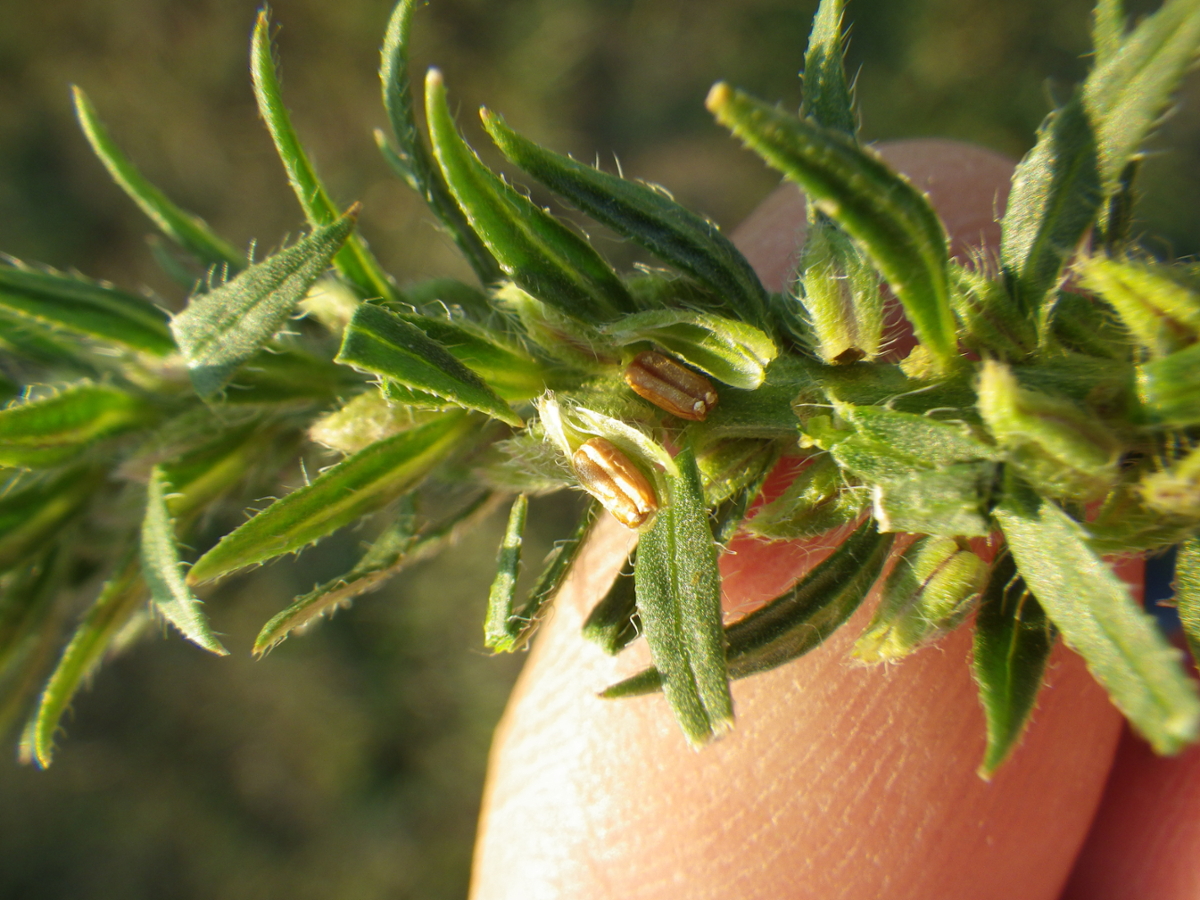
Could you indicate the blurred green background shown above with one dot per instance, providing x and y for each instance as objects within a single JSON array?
[{"x": 348, "y": 763}]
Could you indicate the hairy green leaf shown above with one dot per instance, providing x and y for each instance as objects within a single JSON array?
[
  {"x": 353, "y": 259},
  {"x": 1168, "y": 389},
  {"x": 413, "y": 161},
  {"x": 1056, "y": 194},
  {"x": 119, "y": 599},
  {"x": 402, "y": 543},
  {"x": 359, "y": 484},
  {"x": 1108, "y": 30},
  {"x": 828, "y": 100},
  {"x": 679, "y": 603},
  {"x": 1100, "y": 620},
  {"x": 163, "y": 572},
  {"x": 882, "y": 210},
  {"x": 34, "y": 511},
  {"x": 1013, "y": 640},
  {"x": 1161, "y": 312},
  {"x": 1187, "y": 592},
  {"x": 646, "y": 215},
  {"x": 379, "y": 342},
  {"x": 535, "y": 250},
  {"x": 614, "y": 623},
  {"x": 55, "y": 429},
  {"x": 498, "y": 628},
  {"x": 951, "y": 501},
  {"x": 86, "y": 308},
  {"x": 222, "y": 329},
  {"x": 187, "y": 230}
]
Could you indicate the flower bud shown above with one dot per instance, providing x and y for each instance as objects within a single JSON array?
[
  {"x": 670, "y": 386},
  {"x": 608, "y": 475},
  {"x": 840, "y": 293},
  {"x": 933, "y": 586}
]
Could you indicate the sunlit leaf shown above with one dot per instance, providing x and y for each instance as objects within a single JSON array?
[{"x": 498, "y": 628}]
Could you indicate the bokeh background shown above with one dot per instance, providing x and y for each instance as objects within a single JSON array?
[{"x": 348, "y": 763}]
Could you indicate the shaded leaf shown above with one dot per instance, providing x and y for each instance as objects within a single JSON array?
[
  {"x": 412, "y": 160},
  {"x": 118, "y": 601},
  {"x": 614, "y": 623},
  {"x": 53, "y": 430},
  {"x": 645, "y": 215},
  {"x": 163, "y": 573},
  {"x": 359, "y": 484},
  {"x": 221, "y": 329},
  {"x": 539, "y": 253},
  {"x": 400, "y": 545},
  {"x": 679, "y": 604},
  {"x": 499, "y": 630},
  {"x": 86, "y": 308},
  {"x": 1013, "y": 640},
  {"x": 379, "y": 342},
  {"x": 1100, "y": 620},
  {"x": 36, "y": 510},
  {"x": 187, "y": 230},
  {"x": 880, "y": 209},
  {"x": 353, "y": 260}
]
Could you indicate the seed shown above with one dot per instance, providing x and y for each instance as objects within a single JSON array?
[
  {"x": 608, "y": 475},
  {"x": 670, "y": 386}
]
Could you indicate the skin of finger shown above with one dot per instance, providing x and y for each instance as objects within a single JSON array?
[{"x": 840, "y": 781}]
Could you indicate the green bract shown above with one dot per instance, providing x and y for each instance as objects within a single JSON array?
[{"x": 1067, "y": 432}]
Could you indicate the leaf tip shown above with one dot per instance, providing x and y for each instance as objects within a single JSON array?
[{"x": 718, "y": 97}]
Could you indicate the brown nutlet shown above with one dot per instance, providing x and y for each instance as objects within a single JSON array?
[
  {"x": 670, "y": 386},
  {"x": 611, "y": 477}
]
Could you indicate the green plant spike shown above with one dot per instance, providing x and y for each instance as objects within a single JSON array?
[
  {"x": 381, "y": 343},
  {"x": 540, "y": 254},
  {"x": 358, "y": 485},
  {"x": 1100, "y": 620},
  {"x": 1013, "y": 640},
  {"x": 890, "y": 218},
  {"x": 187, "y": 230},
  {"x": 647, "y": 216},
  {"x": 499, "y": 629},
  {"x": 828, "y": 99},
  {"x": 355, "y": 260},
  {"x": 413, "y": 161},
  {"x": 402, "y": 543},
  {"x": 120, "y": 598},
  {"x": 56, "y": 429},
  {"x": 54, "y": 301},
  {"x": 679, "y": 604},
  {"x": 223, "y": 328},
  {"x": 163, "y": 572}
]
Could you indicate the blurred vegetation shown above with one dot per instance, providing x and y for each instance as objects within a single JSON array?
[{"x": 348, "y": 763}]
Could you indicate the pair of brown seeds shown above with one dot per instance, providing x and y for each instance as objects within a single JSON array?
[{"x": 607, "y": 473}]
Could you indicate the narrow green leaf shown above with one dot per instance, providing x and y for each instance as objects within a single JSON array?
[
  {"x": 413, "y": 161},
  {"x": 30, "y": 632},
  {"x": 1100, "y": 620},
  {"x": 187, "y": 230},
  {"x": 933, "y": 442},
  {"x": 554, "y": 572},
  {"x": 353, "y": 260},
  {"x": 535, "y": 250},
  {"x": 1056, "y": 194},
  {"x": 1187, "y": 592},
  {"x": 828, "y": 100},
  {"x": 1129, "y": 91},
  {"x": 614, "y": 623},
  {"x": 52, "y": 430},
  {"x": 813, "y": 504},
  {"x": 733, "y": 352},
  {"x": 221, "y": 329},
  {"x": 1161, "y": 312},
  {"x": 118, "y": 601},
  {"x": 359, "y": 484},
  {"x": 679, "y": 603},
  {"x": 498, "y": 628},
  {"x": 1168, "y": 389},
  {"x": 882, "y": 210},
  {"x": 801, "y": 619},
  {"x": 86, "y": 308},
  {"x": 647, "y": 216},
  {"x": 797, "y": 621},
  {"x": 163, "y": 572},
  {"x": 379, "y": 342},
  {"x": 1013, "y": 640},
  {"x": 33, "y": 512},
  {"x": 401, "y": 544},
  {"x": 950, "y": 501},
  {"x": 1108, "y": 30}
]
